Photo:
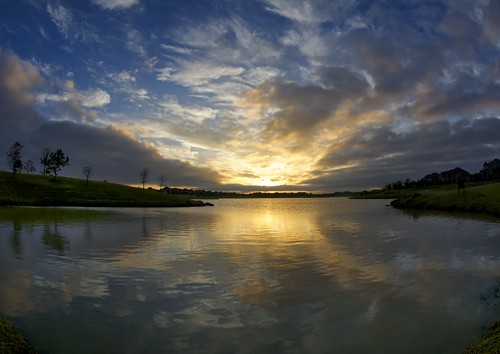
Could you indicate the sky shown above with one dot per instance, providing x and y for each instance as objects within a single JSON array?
[{"x": 251, "y": 95}]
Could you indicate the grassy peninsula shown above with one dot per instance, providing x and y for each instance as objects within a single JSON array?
[
  {"x": 490, "y": 344},
  {"x": 38, "y": 190},
  {"x": 479, "y": 197},
  {"x": 11, "y": 341}
]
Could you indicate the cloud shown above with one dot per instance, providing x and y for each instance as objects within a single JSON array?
[
  {"x": 123, "y": 77},
  {"x": 18, "y": 81},
  {"x": 125, "y": 82},
  {"x": 69, "y": 103},
  {"x": 228, "y": 41},
  {"x": 315, "y": 93},
  {"x": 95, "y": 98},
  {"x": 177, "y": 50},
  {"x": 141, "y": 94},
  {"x": 115, "y": 4},
  {"x": 200, "y": 73},
  {"x": 70, "y": 25},
  {"x": 165, "y": 74},
  {"x": 381, "y": 154},
  {"x": 114, "y": 154},
  {"x": 135, "y": 42},
  {"x": 61, "y": 17},
  {"x": 307, "y": 12},
  {"x": 291, "y": 109}
]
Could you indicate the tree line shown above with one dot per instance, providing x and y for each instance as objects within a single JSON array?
[{"x": 52, "y": 161}]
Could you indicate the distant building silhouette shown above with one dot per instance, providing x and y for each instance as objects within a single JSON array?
[
  {"x": 453, "y": 176},
  {"x": 450, "y": 176},
  {"x": 491, "y": 170},
  {"x": 432, "y": 178}
]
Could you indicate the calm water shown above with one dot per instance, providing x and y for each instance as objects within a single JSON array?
[{"x": 248, "y": 276}]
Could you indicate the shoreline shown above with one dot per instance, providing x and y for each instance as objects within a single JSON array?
[
  {"x": 476, "y": 199},
  {"x": 419, "y": 201},
  {"x": 108, "y": 204},
  {"x": 11, "y": 340},
  {"x": 45, "y": 191}
]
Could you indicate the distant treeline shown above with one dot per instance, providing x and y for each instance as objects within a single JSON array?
[{"x": 219, "y": 194}]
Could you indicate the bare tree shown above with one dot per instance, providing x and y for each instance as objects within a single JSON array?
[
  {"x": 87, "y": 172},
  {"x": 162, "y": 180},
  {"x": 29, "y": 167},
  {"x": 144, "y": 176},
  {"x": 45, "y": 160},
  {"x": 14, "y": 156}
]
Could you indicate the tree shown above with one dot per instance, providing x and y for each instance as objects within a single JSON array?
[
  {"x": 144, "y": 176},
  {"x": 14, "y": 156},
  {"x": 45, "y": 160},
  {"x": 162, "y": 180},
  {"x": 87, "y": 172},
  {"x": 57, "y": 160},
  {"x": 29, "y": 167}
]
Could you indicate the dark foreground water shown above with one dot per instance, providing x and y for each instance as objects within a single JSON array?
[{"x": 248, "y": 276}]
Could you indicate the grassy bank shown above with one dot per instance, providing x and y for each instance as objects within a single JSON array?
[
  {"x": 11, "y": 341},
  {"x": 490, "y": 344},
  {"x": 481, "y": 198},
  {"x": 37, "y": 190}
]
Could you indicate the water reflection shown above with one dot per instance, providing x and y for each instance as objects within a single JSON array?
[
  {"x": 247, "y": 275},
  {"x": 15, "y": 239},
  {"x": 53, "y": 238}
]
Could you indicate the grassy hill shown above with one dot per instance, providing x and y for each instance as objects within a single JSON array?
[
  {"x": 478, "y": 198},
  {"x": 37, "y": 190},
  {"x": 490, "y": 344}
]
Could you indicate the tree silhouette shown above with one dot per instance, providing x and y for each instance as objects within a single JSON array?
[
  {"x": 29, "y": 167},
  {"x": 14, "y": 156},
  {"x": 87, "y": 172},
  {"x": 144, "y": 176},
  {"x": 57, "y": 161},
  {"x": 45, "y": 160},
  {"x": 162, "y": 181}
]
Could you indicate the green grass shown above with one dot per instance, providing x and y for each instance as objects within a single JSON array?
[
  {"x": 37, "y": 190},
  {"x": 11, "y": 341},
  {"x": 490, "y": 344},
  {"x": 481, "y": 198}
]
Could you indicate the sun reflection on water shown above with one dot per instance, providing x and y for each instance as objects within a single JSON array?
[{"x": 293, "y": 269}]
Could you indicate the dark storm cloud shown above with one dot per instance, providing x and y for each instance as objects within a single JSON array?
[
  {"x": 382, "y": 155},
  {"x": 117, "y": 157},
  {"x": 114, "y": 155},
  {"x": 18, "y": 80},
  {"x": 468, "y": 92}
]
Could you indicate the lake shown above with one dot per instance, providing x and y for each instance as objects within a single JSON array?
[{"x": 328, "y": 275}]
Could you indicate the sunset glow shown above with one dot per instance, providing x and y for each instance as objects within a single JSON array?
[{"x": 307, "y": 95}]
